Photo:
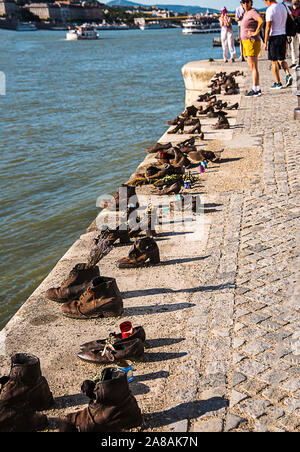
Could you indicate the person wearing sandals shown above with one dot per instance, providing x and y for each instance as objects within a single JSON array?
[
  {"x": 275, "y": 40},
  {"x": 227, "y": 37},
  {"x": 251, "y": 42}
]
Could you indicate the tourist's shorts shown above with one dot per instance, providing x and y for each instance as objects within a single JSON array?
[
  {"x": 277, "y": 48},
  {"x": 251, "y": 48}
]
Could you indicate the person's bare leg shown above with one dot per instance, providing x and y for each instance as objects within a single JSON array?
[
  {"x": 285, "y": 66},
  {"x": 253, "y": 64},
  {"x": 275, "y": 69}
]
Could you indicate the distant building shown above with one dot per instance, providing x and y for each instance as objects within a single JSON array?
[
  {"x": 8, "y": 9},
  {"x": 61, "y": 12}
]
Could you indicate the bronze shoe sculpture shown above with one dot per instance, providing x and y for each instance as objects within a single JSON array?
[
  {"x": 75, "y": 284},
  {"x": 143, "y": 252},
  {"x": 138, "y": 332},
  {"x": 131, "y": 348},
  {"x": 101, "y": 299},
  {"x": 178, "y": 127},
  {"x": 173, "y": 188},
  {"x": 190, "y": 111},
  {"x": 124, "y": 199},
  {"x": 112, "y": 406},
  {"x": 23, "y": 392},
  {"x": 158, "y": 147}
]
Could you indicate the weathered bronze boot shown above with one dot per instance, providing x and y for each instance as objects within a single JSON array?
[
  {"x": 75, "y": 284},
  {"x": 190, "y": 111},
  {"x": 222, "y": 121},
  {"x": 124, "y": 199},
  {"x": 143, "y": 252},
  {"x": 179, "y": 159},
  {"x": 112, "y": 406},
  {"x": 23, "y": 392},
  {"x": 101, "y": 299}
]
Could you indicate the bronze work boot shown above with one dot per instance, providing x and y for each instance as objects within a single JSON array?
[
  {"x": 101, "y": 299},
  {"x": 124, "y": 199},
  {"x": 23, "y": 392},
  {"x": 190, "y": 111},
  {"x": 75, "y": 284},
  {"x": 112, "y": 406},
  {"x": 144, "y": 250}
]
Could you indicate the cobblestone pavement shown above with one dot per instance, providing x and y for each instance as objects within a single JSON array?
[
  {"x": 235, "y": 366},
  {"x": 251, "y": 346}
]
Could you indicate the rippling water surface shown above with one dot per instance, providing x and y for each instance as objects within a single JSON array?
[{"x": 74, "y": 124}]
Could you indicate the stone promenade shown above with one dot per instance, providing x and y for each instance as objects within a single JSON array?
[{"x": 221, "y": 313}]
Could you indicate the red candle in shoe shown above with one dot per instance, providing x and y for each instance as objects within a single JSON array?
[{"x": 126, "y": 329}]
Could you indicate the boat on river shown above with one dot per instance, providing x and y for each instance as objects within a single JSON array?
[
  {"x": 155, "y": 25},
  {"x": 193, "y": 26},
  {"x": 84, "y": 31},
  {"x": 25, "y": 26}
]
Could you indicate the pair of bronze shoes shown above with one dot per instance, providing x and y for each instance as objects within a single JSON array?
[
  {"x": 144, "y": 252},
  {"x": 115, "y": 348},
  {"x": 85, "y": 294}
]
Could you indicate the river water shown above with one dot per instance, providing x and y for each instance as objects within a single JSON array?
[{"x": 74, "y": 124}]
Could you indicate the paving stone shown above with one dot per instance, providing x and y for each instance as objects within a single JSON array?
[
  {"x": 255, "y": 347},
  {"x": 251, "y": 367},
  {"x": 232, "y": 422},
  {"x": 236, "y": 397},
  {"x": 178, "y": 427},
  {"x": 238, "y": 378},
  {"x": 255, "y": 407},
  {"x": 214, "y": 425}
]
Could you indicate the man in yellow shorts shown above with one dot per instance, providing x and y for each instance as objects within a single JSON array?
[{"x": 251, "y": 42}]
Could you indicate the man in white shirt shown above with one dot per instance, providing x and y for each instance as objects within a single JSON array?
[{"x": 275, "y": 34}]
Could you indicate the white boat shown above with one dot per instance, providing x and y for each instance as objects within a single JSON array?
[
  {"x": 105, "y": 26},
  {"x": 155, "y": 25},
  {"x": 85, "y": 31},
  {"x": 26, "y": 26},
  {"x": 191, "y": 26}
]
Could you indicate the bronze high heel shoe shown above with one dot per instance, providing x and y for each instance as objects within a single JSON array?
[{"x": 179, "y": 127}]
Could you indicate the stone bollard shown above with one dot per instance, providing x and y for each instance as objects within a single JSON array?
[{"x": 297, "y": 92}]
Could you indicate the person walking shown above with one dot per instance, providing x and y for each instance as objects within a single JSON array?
[
  {"x": 251, "y": 42},
  {"x": 227, "y": 37},
  {"x": 275, "y": 41},
  {"x": 239, "y": 14},
  {"x": 295, "y": 44}
]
